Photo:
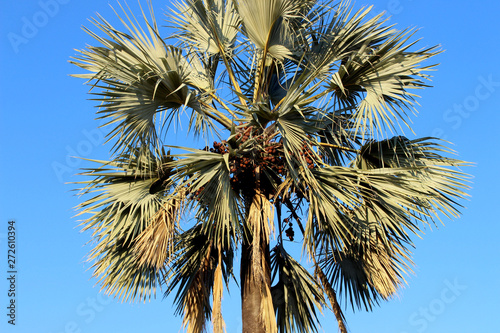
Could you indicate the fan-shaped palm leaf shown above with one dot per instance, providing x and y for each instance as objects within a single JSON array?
[
  {"x": 208, "y": 25},
  {"x": 124, "y": 213},
  {"x": 197, "y": 268},
  {"x": 139, "y": 76},
  {"x": 296, "y": 294},
  {"x": 208, "y": 181}
]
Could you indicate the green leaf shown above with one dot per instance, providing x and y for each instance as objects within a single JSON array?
[
  {"x": 207, "y": 178},
  {"x": 122, "y": 213},
  {"x": 136, "y": 76},
  {"x": 209, "y": 26},
  {"x": 296, "y": 295}
]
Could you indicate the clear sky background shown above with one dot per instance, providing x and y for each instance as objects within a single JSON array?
[{"x": 46, "y": 118}]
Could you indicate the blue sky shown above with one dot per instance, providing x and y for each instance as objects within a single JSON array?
[{"x": 46, "y": 118}]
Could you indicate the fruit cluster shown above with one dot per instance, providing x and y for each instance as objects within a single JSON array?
[
  {"x": 271, "y": 163},
  {"x": 274, "y": 158},
  {"x": 244, "y": 134},
  {"x": 308, "y": 154},
  {"x": 266, "y": 156},
  {"x": 269, "y": 160},
  {"x": 218, "y": 147},
  {"x": 289, "y": 232}
]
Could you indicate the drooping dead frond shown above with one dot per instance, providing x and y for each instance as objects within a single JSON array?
[
  {"x": 196, "y": 300},
  {"x": 156, "y": 243},
  {"x": 217, "y": 321}
]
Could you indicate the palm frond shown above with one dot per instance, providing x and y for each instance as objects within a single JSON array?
[
  {"x": 196, "y": 270},
  {"x": 267, "y": 23},
  {"x": 402, "y": 152},
  {"x": 206, "y": 176},
  {"x": 296, "y": 295},
  {"x": 192, "y": 273},
  {"x": 338, "y": 34},
  {"x": 336, "y": 141},
  {"x": 378, "y": 79},
  {"x": 136, "y": 76},
  {"x": 327, "y": 40},
  {"x": 397, "y": 198},
  {"x": 123, "y": 213},
  {"x": 362, "y": 222},
  {"x": 119, "y": 272},
  {"x": 437, "y": 176},
  {"x": 209, "y": 26},
  {"x": 368, "y": 268},
  {"x": 297, "y": 128},
  {"x": 154, "y": 245}
]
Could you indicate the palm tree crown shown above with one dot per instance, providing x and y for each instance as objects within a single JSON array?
[{"x": 298, "y": 97}]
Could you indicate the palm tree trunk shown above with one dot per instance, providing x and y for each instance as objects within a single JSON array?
[
  {"x": 256, "y": 302},
  {"x": 251, "y": 291}
]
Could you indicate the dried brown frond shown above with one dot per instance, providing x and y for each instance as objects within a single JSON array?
[
  {"x": 197, "y": 298},
  {"x": 384, "y": 268},
  {"x": 217, "y": 321},
  {"x": 155, "y": 244}
]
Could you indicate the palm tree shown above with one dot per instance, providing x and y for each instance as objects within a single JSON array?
[{"x": 302, "y": 101}]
